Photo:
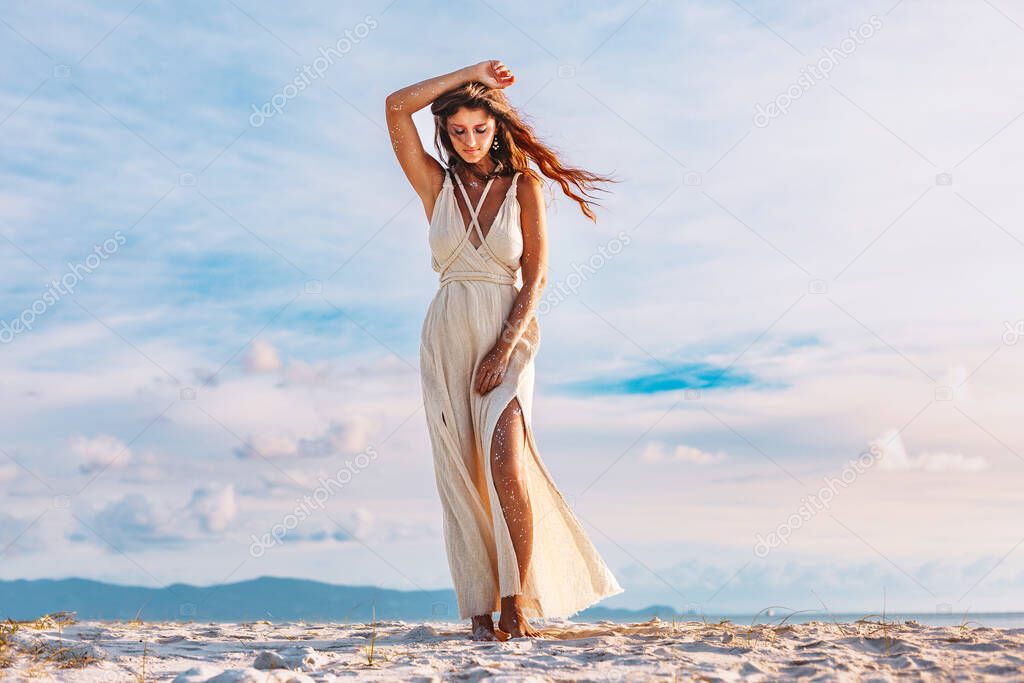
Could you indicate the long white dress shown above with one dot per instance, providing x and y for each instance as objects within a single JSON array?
[{"x": 478, "y": 286}]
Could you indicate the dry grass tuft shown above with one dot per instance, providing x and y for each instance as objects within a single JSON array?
[{"x": 42, "y": 654}]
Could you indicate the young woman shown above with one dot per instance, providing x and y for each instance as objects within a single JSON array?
[{"x": 513, "y": 544}]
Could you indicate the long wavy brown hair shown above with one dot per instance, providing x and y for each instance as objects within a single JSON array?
[{"x": 517, "y": 144}]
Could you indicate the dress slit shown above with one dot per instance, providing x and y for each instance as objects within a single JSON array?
[{"x": 510, "y": 581}]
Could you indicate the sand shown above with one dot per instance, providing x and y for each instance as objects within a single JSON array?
[{"x": 439, "y": 651}]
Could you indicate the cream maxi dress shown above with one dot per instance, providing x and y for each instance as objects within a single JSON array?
[{"x": 478, "y": 286}]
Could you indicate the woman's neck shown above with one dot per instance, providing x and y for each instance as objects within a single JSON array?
[{"x": 482, "y": 168}]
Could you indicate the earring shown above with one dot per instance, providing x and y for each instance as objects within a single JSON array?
[{"x": 495, "y": 145}]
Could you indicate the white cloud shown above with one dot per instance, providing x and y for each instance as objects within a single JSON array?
[
  {"x": 951, "y": 462},
  {"x": 269, "y": 445},
  {"x": 313, "y": 374},
  {"x": 214, "y": 507},
  {"x": 262, "y": 357},
  {"x": 147, "y": 468},
  {"x": 134, "y": 522},
  {"x": 290, "y": 479},
  {"x": 357, "y": 524},
  {"x": 99, "y": 452},
  {"x": 340, "y": 438},
  {"x": 348, "y": 437},
  {"x": 137, "y": 521},
  {"x": 659, "y": 452},
  {"x": 894, "y": 457}
]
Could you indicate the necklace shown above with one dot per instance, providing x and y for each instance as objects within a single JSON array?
[{"x": 476, "y": 179}]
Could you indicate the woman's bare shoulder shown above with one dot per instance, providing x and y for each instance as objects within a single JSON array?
[
  {"x": 530, "y": 189},
  {"x": 437, "y": 174}
]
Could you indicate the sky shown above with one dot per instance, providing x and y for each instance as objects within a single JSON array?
[{"x": 781, "y": 369}]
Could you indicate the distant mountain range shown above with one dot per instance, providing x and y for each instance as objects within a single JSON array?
[{"x": 273, "y": 599}]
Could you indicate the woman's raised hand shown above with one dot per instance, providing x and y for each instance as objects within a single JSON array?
[{"x": 494, "y": 74}]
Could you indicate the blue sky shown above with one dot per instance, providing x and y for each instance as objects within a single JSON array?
[{"x": 814, "y": 254}]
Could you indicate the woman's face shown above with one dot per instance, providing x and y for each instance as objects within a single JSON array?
[{"x": 471, "y": 132}]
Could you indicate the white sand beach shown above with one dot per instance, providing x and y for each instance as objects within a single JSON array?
[{"x": 439, "y": 651}]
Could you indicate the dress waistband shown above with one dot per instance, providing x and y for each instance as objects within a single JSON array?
[{"x": 496, "y": 278}]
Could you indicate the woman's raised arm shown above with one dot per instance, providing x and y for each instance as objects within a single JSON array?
[{"x": 423, "y": 171}]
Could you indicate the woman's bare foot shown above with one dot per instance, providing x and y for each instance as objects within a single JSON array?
[
  {"x": 512, "y": 620},
  {"x": 483, "y": 629}
]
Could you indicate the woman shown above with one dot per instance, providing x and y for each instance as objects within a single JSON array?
[{"x": 508, "y": 531}]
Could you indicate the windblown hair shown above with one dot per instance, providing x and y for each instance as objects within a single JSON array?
[{"x": 517, "y": 143}]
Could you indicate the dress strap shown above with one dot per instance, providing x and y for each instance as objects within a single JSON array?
[
  {"x": 474, "y": 213},
  {"x": 475, "y": 223},
  {"x": 473, "y": 217},
  {"x": 515, "y": 182}
]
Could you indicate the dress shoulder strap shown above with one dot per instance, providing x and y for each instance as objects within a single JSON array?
[{"x": 515, "y": 182}]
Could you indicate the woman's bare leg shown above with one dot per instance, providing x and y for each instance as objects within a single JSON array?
[{"x": 508, "y": 450}]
